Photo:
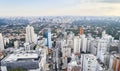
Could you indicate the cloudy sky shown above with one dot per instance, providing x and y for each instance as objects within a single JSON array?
[{"x": 59, "y": 7}]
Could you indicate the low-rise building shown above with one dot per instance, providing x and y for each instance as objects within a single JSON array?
[{"x": 29, "y": 60}]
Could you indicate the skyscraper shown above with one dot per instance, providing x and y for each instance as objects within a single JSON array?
[
  {"x": 83, "y": 40},
  {"x": 1, "y": 42},
  {"x": 77, "y": 44},
  {"x": 49, "y": 42},
  {"x": 31, "y": 37}
]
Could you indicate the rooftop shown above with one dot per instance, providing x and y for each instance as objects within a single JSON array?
[
  {"x": 21, "y": 55},
  {"x": 117, "y": 56}
]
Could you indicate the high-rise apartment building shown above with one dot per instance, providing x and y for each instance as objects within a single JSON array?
[
  {"x": 77, "y": 44},
  {"x": 114, "y": 63},
  {"x": 1, "y": 42},
  {"x": 83, "y": 40},
  {"x": 83, "y": 43},
  {"x": 66, "y": 51},
  {"x": 89, "y": 62},
  {"x": 81, "y": 31},
  {"x": 102, "y": 46},
  {"x": 31, "y": 37},
  {"x": 90, "y": 39},
  {"x": 6, "y": 41},
  {"x": 73, "y": 65},
  {"x": 16, "y": 44}
]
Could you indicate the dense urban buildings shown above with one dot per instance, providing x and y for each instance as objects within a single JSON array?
[
  {"x": 59, "y": 35},
  {"x": 60, "y": 44}
]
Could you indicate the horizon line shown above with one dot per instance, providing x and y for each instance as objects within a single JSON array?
[{"x": 61, "y": 16}]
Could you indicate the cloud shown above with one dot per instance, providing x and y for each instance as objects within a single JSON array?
[
  {"x": 95, "y": 1},
  {"x": 110, "y": 1},
  {"x": 96, "y": 9}
]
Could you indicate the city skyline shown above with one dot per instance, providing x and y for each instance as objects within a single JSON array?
[
  {"x": 59, "y": 7},
  {"x": 60, "y": 43}
]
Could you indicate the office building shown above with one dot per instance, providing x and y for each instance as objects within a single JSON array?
[
  {"x": 49, "y": 42},
  {"x": 30, "y": 60}
]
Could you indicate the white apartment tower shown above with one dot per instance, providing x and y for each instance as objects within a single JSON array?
[
  {"x": 1, "y": 42},
  {"x": 102, "y": 49},
  {"x": 66, "y": 51},
  {"x": 31, "y": 37},
  {"x": 83, "y": 43},
  {"x": 89, "y": 62},
  {"x": 74, "y": 65},
  {"x": 90, "y": 39},
  {"x": 6, "y": 41},
  {"x": 102, "y": 46},
  {"x": 77, "y": 44},
  {"x": 16, "y": 44}
]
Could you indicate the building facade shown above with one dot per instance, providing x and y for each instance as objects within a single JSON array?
[{"x": 1, "y": 42}]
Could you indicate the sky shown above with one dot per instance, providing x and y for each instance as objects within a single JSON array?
[{"x": 59, "y": 7}]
